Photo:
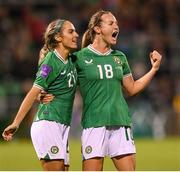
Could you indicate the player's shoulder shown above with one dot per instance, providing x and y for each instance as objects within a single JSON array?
[
  {"x": 45, "y": 59},
  {"x": 118, "y": 53},
  {"x": 81, "y": 53},
  {"x": 52, "y": 60},
  {"x": 49, "y": 56}
]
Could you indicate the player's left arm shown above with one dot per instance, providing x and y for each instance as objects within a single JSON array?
[{"x": 133, "y": 87}]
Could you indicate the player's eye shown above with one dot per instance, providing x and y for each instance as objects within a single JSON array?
[
  {"x": 71, "y": 31},
  {"x": 111, "y": 23}
]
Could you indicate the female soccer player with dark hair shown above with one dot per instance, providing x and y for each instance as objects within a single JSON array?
[
  {"x": 102, "y": 73},
  {"x": 56, "y": 75}
]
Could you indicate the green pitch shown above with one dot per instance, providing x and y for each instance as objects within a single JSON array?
[{"x": 158, "y": 155}]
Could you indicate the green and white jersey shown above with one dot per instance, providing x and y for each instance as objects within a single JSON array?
[
  {"x": 100, "y": 77},
  {"x": 57, "y": 77}
]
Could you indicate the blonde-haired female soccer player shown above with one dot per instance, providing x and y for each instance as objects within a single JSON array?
[{"x": 102, "y": 72}]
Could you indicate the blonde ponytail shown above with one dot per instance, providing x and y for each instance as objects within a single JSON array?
[
  {"x": 86, "y": 39},
  {"x": 44, "y": 50}
]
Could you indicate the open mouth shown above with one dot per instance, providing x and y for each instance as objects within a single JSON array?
[{"x": 115, "y": 34}]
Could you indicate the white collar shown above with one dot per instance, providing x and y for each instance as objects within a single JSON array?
[
  {"x": 90, "y": 47},
  {"x": 60, "y": 57}
]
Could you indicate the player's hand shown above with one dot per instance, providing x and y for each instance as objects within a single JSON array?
[
  {"x": 44, "y": 97},
  {"x": 9, "y": 132},
  {"x": 155, "y": 58}
]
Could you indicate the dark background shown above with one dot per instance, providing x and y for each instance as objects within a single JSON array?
[{"x": 144, "y": 26}]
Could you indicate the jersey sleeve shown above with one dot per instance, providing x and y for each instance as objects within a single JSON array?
[
  {"x": 126, "y": 67},
  {"x": 47, "y": 73}
]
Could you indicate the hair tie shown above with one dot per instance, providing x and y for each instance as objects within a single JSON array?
[{"x": 59, "y": 26}]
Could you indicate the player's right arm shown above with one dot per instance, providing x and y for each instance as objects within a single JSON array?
[
  {"x": 24, "y": 108},
  {"x": 132, "y": 86}
]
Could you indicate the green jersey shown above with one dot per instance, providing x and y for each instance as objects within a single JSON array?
[
  {"x": 57, "y": 77},
  {"x": 100, "y": 77}
]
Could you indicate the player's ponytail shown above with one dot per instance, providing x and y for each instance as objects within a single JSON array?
[
  {"x": 86, "y": 39},
  {"x": 44, "y": 50}
]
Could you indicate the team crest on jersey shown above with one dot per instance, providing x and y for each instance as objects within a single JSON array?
[
  {"x": 88, "y": 149},
  {"x": 89, "y": 61},
  {"x": 54, "y": 149},
  {"x": 117, "y": 60}
]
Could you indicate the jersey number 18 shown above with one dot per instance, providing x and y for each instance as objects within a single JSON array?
[{"x": 108, "y": 71}]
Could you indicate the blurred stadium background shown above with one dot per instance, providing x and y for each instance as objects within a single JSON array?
[{"x": 144, "y": 26}]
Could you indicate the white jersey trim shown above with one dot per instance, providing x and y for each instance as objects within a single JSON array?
[
  {"x": 60, "y": 57},
  {"x": 38, "y": 86},
  {"x": 90, "y": 47},
  {"x": 129, "y": 74}
]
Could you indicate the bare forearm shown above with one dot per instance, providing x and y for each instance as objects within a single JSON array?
[
  {"x": 143, "y": 82},
  {"x": 25, "y": 107},
  {"x": 133, "y": 87}
]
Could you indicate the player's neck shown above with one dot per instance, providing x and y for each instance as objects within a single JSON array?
[
  {"x": 101, "y": 46},
  {"x": 63, "y": 53}
]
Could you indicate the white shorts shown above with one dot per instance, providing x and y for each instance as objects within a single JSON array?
[
  {"x": 107, "y": 141},
  {"x": 50, "y": 140}
]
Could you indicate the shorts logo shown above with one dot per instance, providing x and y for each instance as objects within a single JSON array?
[
  {"x": 88, "y": 149},
  {"x": 54, "y": 149},
  {"x": 117, "y": 60}
]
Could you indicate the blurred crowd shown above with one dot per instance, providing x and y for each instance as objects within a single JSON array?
[{"x": 144, "y": 26}]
